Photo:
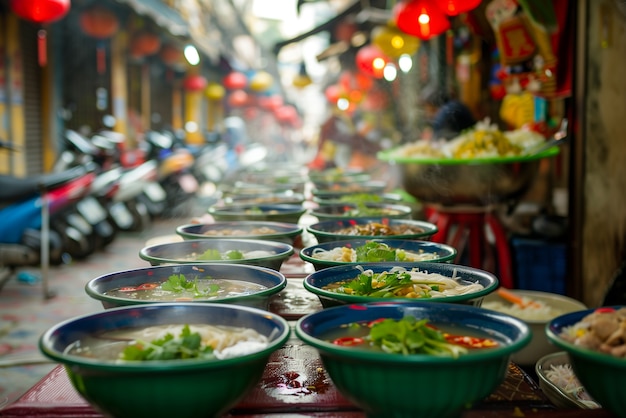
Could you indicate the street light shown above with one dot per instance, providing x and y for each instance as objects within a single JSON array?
[{"x": 191, "y": 55}]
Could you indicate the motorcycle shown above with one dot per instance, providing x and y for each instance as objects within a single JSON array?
[
  {"x": 175, "y": 163},
  {"x": 32, "y": 230}
]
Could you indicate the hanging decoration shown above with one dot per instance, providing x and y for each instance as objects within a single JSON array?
[
  {"x": 144, "y": 44},
  {"x": 261, "y": 81},
  {"x": 345, "y": 30},
  {"x": 271, "y": 102},
  {"x": 421, "y": 18},
  {"x": 456, "y": 7},
  {"x": 194, "y": 82},
  {"x": 100, "y": 23},
  {"x": 235, "y": 80},
  {"x": 371, "y": 61},
  {"x": 215, "y": 91},
  {"x": 393, "y": 42},
  {"x": 238, "y": 98},
  {"x": 41, "y": 12},
  {"x": 172, "y": 56}
]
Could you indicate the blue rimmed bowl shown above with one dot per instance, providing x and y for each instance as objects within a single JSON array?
[
  {"x": 416, "y": 385},
  {"x": 602, "y": 374},
  {"x": 272, "y": 282},
  {"x": 263, "y": 230},
  {"x": 164, "y": 388},
  {"x": 327, "y": 231},
  {"x": 261, "y": 253},
  {"x": 438, "y": 253},
  {"x": 318, "y": 281}
]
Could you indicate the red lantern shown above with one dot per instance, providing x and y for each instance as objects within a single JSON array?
[
  {"x": 344, "y": 31},
  {"x": 194, "y": 82},
  {"x": 171, "y": 55},
  {"x": 145, "y": 43},
  {"x": 333, "y": 93},
  {"x": 99, "y": 22},
  {"x": 40, "y": 11},
  {"x": 456, "y": 7},
  {"x": 352, "y": 80},
  {"x": 235, "y": 81},
  {"x": 285, "y": 114},
  {"x": 371, "y": 60},
  {"x": 271, "y": 102},
  {"x": 238, "y": 98},
  {"x": 421, "y": 18}
]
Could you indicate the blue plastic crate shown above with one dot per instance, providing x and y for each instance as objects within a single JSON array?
[{"x": 539, "y": 265}]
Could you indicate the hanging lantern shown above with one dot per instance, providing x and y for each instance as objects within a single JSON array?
[
  {"x": 371, "y": 60},
  {"x": 333, "y": 93},
  {"x": 145, "y": 43},
  {"x": 171, "y": 55},
  {"x": 99, "y": 22},
  {"x": 235, "y": 80},
  {"x": 354, "y": 80},
  {"x": 285, "y": 114},
  {"x": 421, "y": 18},
  {"x": 238, "y": 98},
  {"x": 194, "y": 82},
  {"x": 261, "y": 81},
  {"x": 271, "y": 102},
  {"x": 456, "y": 7},
  {"x": 345, "y": 30},
  {"x": 214, "y": 91},
  {"x": 393, "y": 42},
  {"x": 40, "y": 11}
]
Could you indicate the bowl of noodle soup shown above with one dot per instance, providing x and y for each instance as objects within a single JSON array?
[
  {"x": 99, "y": 352},
  {"x": 370, "y": 250},
  {"x": 252, "y": 252},
  {"x": 199, "y": 283},
  {"x": 428, "y": 282}
]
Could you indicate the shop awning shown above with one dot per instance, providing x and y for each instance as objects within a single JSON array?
[
  {"x": 161, "y": 14},
  {"x": 174, "y": 22}
]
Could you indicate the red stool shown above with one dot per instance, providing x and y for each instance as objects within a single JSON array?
[{"x": 468, "y": 227}]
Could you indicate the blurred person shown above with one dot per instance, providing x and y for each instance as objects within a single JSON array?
[{"x": 446, "y": 116}]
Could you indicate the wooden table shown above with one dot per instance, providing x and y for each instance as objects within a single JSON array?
[{"x": 295, "y": 383}]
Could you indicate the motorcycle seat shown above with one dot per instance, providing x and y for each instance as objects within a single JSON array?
[{"x": 18, "y": 188}]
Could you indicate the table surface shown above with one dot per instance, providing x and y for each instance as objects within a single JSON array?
[{"x": 295, "y": 383}]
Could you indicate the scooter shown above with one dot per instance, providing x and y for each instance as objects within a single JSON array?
[
  {"x": 175, "y": 163},
  {"x": 31, "y": 230}
]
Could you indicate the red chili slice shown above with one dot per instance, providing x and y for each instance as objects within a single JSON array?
[
  {"x": 605, "y": 310},
  {"x": 375, "y": 321},
  {"x": 127, "y": 289},
  {"x": 471, "y": 342},
  {"x": 348, "y": 341},
  {"x": 147, "y": 286}
]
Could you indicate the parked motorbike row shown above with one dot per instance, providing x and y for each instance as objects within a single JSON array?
[{"x": 98, "y": 188}]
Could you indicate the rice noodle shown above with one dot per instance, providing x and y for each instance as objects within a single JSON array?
[{"x": 564, "y": 378}]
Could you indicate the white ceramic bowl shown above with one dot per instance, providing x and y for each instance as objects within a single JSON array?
[{"x": 539, "y": 345}]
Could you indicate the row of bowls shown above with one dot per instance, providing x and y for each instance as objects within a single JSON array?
[{"x": 210, "y": 388}]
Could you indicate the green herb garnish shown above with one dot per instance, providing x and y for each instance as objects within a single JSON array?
[
  {"x": 213, "y": 254},
  {"x": 187, "y": 345},
  {"x": 374, "y": 251},
  {"x": 178, "y": 283},
  {"x": 411, "y": 336}
]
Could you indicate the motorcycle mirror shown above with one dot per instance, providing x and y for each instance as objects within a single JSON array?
[{"x": 109, "y": 121}]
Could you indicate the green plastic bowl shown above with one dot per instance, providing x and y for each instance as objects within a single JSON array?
[
  {"x": 328, "y": 231},
  {"x": 286, "y": 212},
  {"x": 352, "y": 210},
  {"x": 443, "y": 253},
  {"x": 603, "y": 375},
  {"x": 315, "y": 282},
  {"x": 174, "y": 388},
  {"x": 182, "y": 252},
  {"x": 394, "y": 385}
]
